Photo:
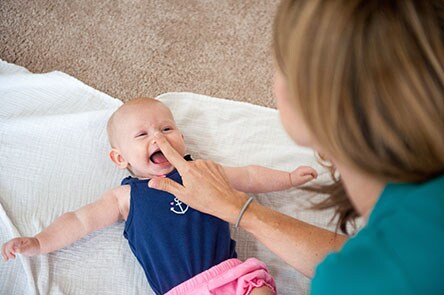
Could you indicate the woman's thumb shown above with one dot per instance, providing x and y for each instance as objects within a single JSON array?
[{"x": 165, "y": 184}]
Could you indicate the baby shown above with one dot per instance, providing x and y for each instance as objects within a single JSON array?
[{"x": 181, "y": 250}]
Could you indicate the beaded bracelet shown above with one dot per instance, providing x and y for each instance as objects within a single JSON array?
[{"x": 244, "y": 208}]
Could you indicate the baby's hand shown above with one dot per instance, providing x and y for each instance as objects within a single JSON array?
[
  {"x": 302, "y": 174},
  {"x": 25, "y": 246}
]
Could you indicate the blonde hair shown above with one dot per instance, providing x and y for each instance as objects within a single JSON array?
[{"x": 368, "y": 78}]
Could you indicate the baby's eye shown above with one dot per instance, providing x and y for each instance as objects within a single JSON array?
[
  {"x": 140, "y": 134},
  {"x": 166, "y": 129}
]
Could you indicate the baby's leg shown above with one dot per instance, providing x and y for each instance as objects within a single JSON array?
[{"x": 264, "y": 290}]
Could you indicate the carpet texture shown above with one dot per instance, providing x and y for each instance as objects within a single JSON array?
[{"x": 132, "y": 48}]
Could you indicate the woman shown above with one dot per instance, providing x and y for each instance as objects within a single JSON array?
[{"x": 362, "y": 83}]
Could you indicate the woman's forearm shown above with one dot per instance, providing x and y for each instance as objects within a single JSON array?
[
  {"x": 300, "y": 244},
  {"x": 208, "y": 187}
]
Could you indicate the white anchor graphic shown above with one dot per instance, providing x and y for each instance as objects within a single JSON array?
[{"x": 178, "y": 203}]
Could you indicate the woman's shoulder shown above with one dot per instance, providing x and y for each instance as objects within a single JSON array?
[
  {"x": 421, "y": 203},
  {"x": 399, "y": 250},
  {"x": 361, "y": 267},
  {"x": 380, "y": 262}
]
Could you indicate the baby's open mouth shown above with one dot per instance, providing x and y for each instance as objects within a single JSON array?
[{"x": 158, "y": 158}]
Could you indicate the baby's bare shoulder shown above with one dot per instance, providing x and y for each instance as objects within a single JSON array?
[
  {"x": 122, "y": 195},
  {"x": 122, "y": 190}
]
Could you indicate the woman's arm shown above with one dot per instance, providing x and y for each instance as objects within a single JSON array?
[
  {"x": 300, "y": 244},
  {"x": 206, "y": 188}
]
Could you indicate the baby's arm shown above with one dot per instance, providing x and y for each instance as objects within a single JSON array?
[
  {"x": 68, "y": 228},
  {"x": 258, "y": 179}
]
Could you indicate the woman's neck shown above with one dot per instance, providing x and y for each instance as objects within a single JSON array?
[{"x": 362, "y": 189}]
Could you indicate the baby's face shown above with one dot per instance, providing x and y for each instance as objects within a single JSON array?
[{"x": 134, "y": 135}]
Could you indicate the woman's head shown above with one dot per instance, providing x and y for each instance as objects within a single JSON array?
[{"x": 367, "y": 77}]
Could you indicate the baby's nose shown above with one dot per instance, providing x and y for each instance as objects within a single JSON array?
[{"x": 154, "y": 137}]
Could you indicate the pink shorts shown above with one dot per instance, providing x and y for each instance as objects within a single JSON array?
[{"x": 229, "y": 277}]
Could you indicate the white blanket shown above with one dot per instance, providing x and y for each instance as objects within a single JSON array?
[{"x": 53, "y": 151}]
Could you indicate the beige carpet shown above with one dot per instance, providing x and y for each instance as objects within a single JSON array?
[{"x": 134, "y": 48}]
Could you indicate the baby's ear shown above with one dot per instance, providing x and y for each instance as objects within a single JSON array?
[{"x": 118, "y": 159}]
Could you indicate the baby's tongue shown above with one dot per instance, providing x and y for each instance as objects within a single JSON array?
[{"x": 158, "y": 158}]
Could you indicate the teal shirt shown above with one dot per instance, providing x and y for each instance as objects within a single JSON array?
[{"x": 399, "y": 251}]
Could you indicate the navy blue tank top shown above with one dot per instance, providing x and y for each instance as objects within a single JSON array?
[{"x": 172, "y": 242}]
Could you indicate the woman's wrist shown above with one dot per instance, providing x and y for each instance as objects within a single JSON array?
[
  {"x": 249, "y": 218},
  {"x": 231, "y": 211},
  {"x": 242, "y": 211}
]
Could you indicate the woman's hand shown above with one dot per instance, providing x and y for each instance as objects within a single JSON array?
[
  {"x": 206, "y": 188},
  {"x": 205, "y": 185}
]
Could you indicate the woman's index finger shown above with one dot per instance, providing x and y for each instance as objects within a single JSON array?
[{"x": 170, "y": 153}]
